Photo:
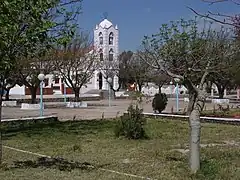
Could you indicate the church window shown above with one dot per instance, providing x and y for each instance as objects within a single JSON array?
[
  {"x": 111, "y": 55},
  {"x": 101, "y": 55},
  {"x": 111, "y": 38},
  {"x": 100, "y": 38}
]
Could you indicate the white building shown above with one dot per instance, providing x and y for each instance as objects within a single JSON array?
[{"x": 106, "y": 41}]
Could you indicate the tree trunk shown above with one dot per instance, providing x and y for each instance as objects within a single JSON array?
[
  {"x": 159, "y": 89},
  {"x": 1, "y": 143},
  {"x": 139, "y": 87},
  {"x": 195, "y": 132},
  {"x": 7, "y": 94},
  {"x": 209, "y": 86},
  {"x": 192, "y": 98},
  {"x": 33, "y": 95},
  {"x": 77, "y": 94},
  {"x": 220, "y": 91}
]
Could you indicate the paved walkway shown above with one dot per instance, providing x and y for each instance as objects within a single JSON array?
[{"x": 97, "y": 110}]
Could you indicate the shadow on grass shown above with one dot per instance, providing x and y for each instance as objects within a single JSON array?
[
  {"x": 84, "y": 127},
  {"x": 54, "y": 163}
]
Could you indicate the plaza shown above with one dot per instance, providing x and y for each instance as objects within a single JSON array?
[{"x": 95, "y": 110}]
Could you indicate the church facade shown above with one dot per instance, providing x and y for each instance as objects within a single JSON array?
[{"x": 106, "y": 44}]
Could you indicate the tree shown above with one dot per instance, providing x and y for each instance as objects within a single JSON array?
[
  {"x": 226, "y": 61},
  {"x": 124, "y": 75},
  {"x": 159, "y": 78},
  {"x": 110, "y": 70},
  {"x": 182, "y": 52},
  {"x": 11, "y": 81},
  {"x": 28, "y": 70},
  {"x": 231, "y": 20},
  {"x": 76, "y": 62},
  {"x": 138, "y": 70},
  {"x": 26, "y": 24}
]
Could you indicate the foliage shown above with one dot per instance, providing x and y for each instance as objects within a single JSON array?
[
  {"x": 132, "y": 69},
  {"x": 29, "y": 29},
  {"x": 28, "y": 69},
  {"x": 76, "y": 62},
  {"x": 186, "y": 54},
  {"x": 159, "y": 102},
  {"x": 124, "y": 59},
  {"x": 183, "y": 51},
  {"x": 159, "y": 78},
  {"x": 131, "y": 124},
  {"x": 138, "y": 70},
  {"x": 226, "y": 63},
  {"x": 111, "y": 69}
]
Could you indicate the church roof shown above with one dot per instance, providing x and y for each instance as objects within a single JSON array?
[{"x": 105, "y": 24}]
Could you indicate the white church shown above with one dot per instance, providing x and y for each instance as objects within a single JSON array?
[{"x": 106, "y": 42}]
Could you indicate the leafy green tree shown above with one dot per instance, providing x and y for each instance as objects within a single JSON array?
[{"x": 27, "y": 27}]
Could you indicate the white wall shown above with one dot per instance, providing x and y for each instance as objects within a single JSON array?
[
  {"x": 106, "y": 27},
  {"x": 171, "y": 89},
  {"x": 17, "y": 90}
]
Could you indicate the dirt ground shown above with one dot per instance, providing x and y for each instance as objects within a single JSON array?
[{"x": 96, "y": 110}]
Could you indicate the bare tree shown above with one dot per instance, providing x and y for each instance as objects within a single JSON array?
[
  {"x": 138, "y": 70},
  {"x": 231, "y": 20},
  {"x": 28, "y": 69},
  {"x": 76, "y": 62},
  {"x": 226, "y": 61},
  {"x": 111, "y": 69},
  {"x": 159, "y": 78},
  {"x": 182, "y": 52}
]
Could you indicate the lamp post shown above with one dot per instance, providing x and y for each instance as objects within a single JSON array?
[
  {"x": 109, "y": 91},
  {"x": 171, "y": 83},
  {"x": 64, "y": 91},
  {"x": 41, "y": 78},
  {"x": 177, "y": 98}
]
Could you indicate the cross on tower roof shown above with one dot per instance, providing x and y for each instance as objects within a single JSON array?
[{"x": 105, "y": 15}]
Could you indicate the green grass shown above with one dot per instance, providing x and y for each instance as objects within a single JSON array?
[
  {"x": 230, "y": 113},
  {"x": 94, "y": 142}
]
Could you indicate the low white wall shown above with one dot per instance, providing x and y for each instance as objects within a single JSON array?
[
  {"x": 220, "y": 101},
  {"x": 76, "y": 104},
  {"x": 171, "y": 89},
  {"x": 9, "y": 103},
  {"x": 26, "y": 106}
]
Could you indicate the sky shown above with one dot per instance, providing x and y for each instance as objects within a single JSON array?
[{"x": 136, "y": 18}]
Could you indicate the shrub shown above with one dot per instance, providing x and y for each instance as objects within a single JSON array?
[
  {"x": 159, "y": 102},
  {"x": 131, "y": 124}
]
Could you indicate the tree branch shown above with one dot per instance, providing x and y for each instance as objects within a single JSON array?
[{"x": 214, "y": 19}]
